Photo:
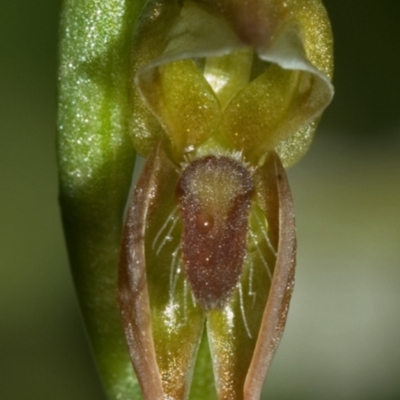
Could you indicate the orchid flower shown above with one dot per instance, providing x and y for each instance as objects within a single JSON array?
[{"x": 218, "y": 96}]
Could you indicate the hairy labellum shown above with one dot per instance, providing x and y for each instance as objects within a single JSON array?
[{"x": 214, "y": 198}]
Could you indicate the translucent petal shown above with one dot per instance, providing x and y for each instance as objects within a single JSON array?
[
  {"x": 163, "y": 325},
  {"x": 244, "y": 334}
]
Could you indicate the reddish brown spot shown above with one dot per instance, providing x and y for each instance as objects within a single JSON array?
[
  {"x": 204, "y": 223},
  {"x": 214, "y": 198}
]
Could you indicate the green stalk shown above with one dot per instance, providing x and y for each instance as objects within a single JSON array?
[{"x": 96, "y": 160}]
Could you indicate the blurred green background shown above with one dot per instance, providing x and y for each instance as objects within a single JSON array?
[{"x": 343, "y": 334}]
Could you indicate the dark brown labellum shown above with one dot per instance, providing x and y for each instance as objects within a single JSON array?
[{"x": 214, "y": 195}]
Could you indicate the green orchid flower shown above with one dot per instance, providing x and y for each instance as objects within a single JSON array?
[{"x": 219, "y": 96}]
